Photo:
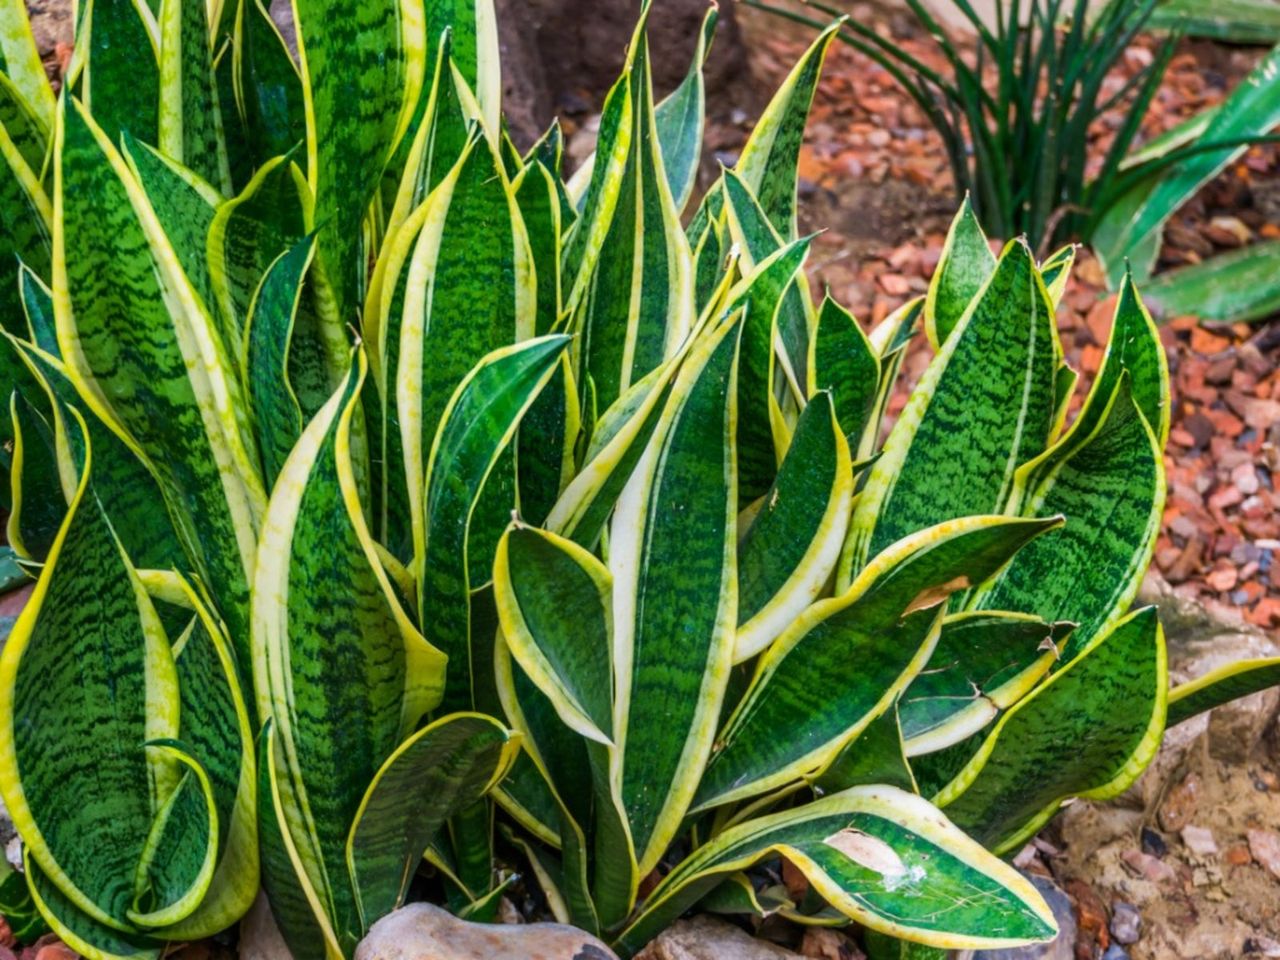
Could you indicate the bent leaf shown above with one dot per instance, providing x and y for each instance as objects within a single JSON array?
[
  {"x": 879, "y": 855},
  {"x": 1067, "y": 739}
]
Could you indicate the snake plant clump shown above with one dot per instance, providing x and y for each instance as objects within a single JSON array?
[{"x": 396, "y": 506}]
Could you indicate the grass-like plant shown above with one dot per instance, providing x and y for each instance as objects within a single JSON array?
[{"x": 1015, "y": 116}]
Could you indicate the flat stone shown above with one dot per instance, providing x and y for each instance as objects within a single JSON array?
[
  {"x": 1200, "y": 841},
  {"x": 706, "y": 938},
  {"x": 1265, "y": 847},
  {"x": 422, "y": 931}
]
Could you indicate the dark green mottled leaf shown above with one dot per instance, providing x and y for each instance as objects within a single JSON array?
[{"x": 1068, "y": 739}]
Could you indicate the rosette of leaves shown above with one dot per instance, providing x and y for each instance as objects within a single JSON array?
[{"x": 297, "y": 332}]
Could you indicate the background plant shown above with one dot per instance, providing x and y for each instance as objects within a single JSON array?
[
  {"x": 334, "y": 323},
  {"x": 1015, "y": 116}
]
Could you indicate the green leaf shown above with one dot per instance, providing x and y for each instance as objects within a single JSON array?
[
  {"x": 984, "y": 405},
  {"x": 788, "y": 552},
  {"x": 758, "y": 241},
  {"x": 26, "y": 216},
  {"x": 802, "y": 706},
  {"x": 672, "y": 553},
  {"x": 268, "y": 338},
  {"x": 769, "y": 161},
  {"x": 882, "y": 857},
  {"x": 81, "y": 932},
  {"x": 1238, "y": 286},
  {"x": 38, "y": 505},
  {"x": 539, "y": 203},
  {"x": 555, "y": 605},
  {"x": 270, "y": 90},
  {"x": 77, "y": 780},
  {"x": 545, "y": 451},
  {"x": 443, "y": 767},
  {"x": 477, "y": 426},
  {"x": 843, "y": 361},
  {"x": 18, "y": 908},
  {"x": 1252, "y": 109},
  {"x": 20, "y": 60},
  {"x": 115, "y": 70},
  {"x": 190, "y": 127},
  {"x": 338, "y": 664},
  {"x": 1221, "y": 686},
  {"x": 215, "y": 727},
  {"x": 983, "y": 664},
  {"x": 1110, "y": 486},
  {"x": 184, "y": 205},
  {"x": 248, "y": 233},
  {"x": 965, "y": 266},
  {"x": 616, "y": 445},
  {"x": 1232, "y": 21},
  {"x": 132, "y": 329},
  {"x": 1068, "y": 738},
  {"x": 473, "y": 38},
  {"x": 638, "y": 305},
  {"x": 1056, "y": 271},
  {"x": 877, "y": 755},
  {"x": 680, "y": 117},
  {"x": 469, "y": 292},
  {"x": 125, "y": 488},
  {"x": 361, "y": 72}
]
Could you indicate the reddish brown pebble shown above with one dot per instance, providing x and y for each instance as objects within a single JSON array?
[
  {"x": 1237, "y": 855},
  {"x": 1180, "y": 805}
]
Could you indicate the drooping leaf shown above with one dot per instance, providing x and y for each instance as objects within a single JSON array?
[
  {"x": 983, "y": 664},
  {"x": 882, "y": 857},
  {"x": 1237, "y": 286},
  {"x": 1110, "y": 486},
  {"x": 1068, "y": 738},
  {"x": 1251, "y": 109},
  {"x": 443, "y": 767},
  {"x": 802, "y": 706},
  {"x": 1221, "y": 686}
]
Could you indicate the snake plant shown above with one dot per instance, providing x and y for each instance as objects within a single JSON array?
[{"x": 367, "y": 468}]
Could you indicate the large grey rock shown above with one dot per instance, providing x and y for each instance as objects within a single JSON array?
[
  {"x": 706, "y": 938},
  {"x": 1063, "y": 948},
  {"x": 1201, "y": 640},
  {"x": 422, "y": 931}
]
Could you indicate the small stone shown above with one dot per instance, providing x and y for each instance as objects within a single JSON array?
[
  {"x": 1153, "y": 843},
  {"x": 1262, "y": 947},
  {"x": 1237, "y": 855},
  {"x": 1126, "y": 922},
  {"x": 56, "y": 951},
  {"x": 422, "y": 931},
  {"x": 1145, "y": 865},
  {"x": 1199, "y": 840},
  {"x": 1180, "y": 805},
  {"x": 1091, "y": 914},
  {"x": 1265, "y": 848},
  {"x": 1115, "y": 952},
  {"x": 1245, "y": 478}
]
